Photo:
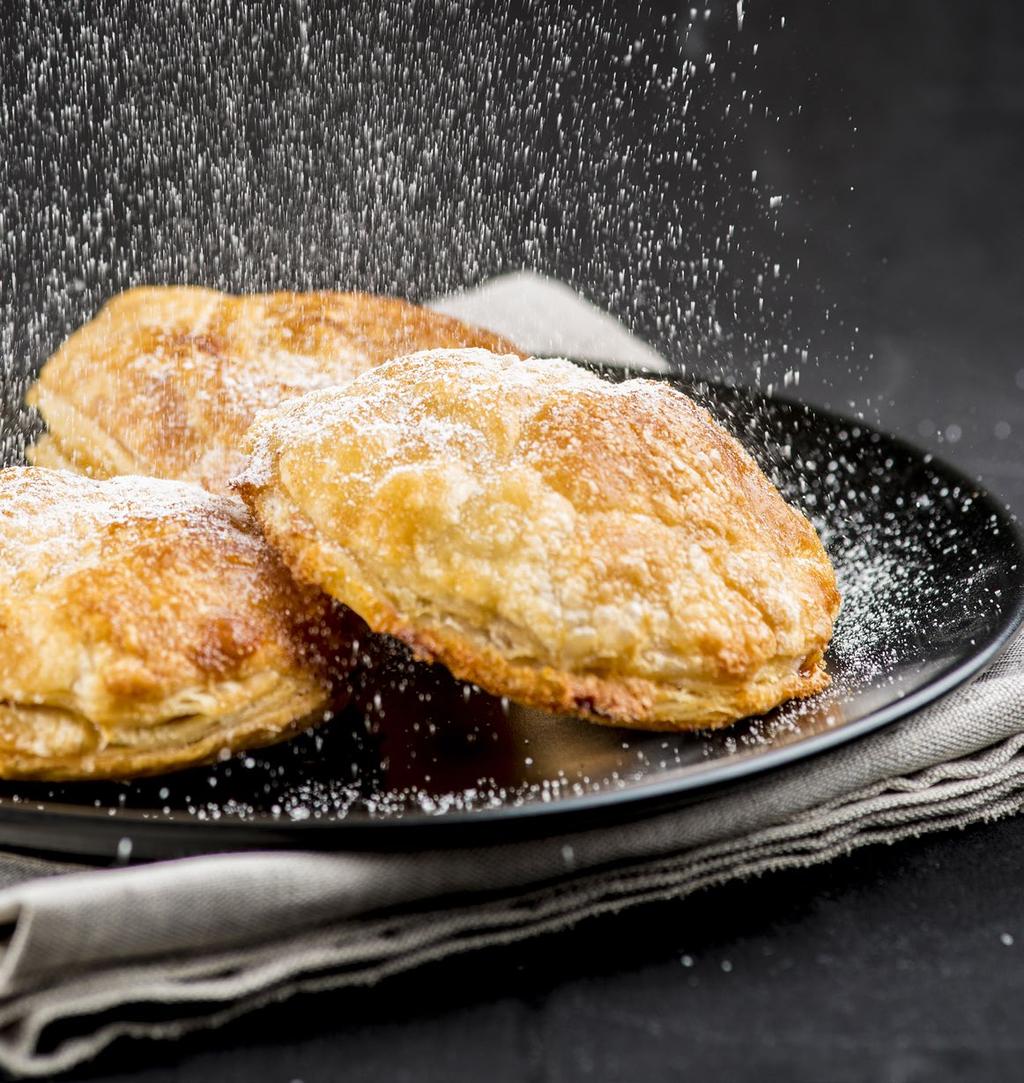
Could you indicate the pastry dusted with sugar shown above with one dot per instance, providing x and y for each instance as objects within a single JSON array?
[
  {"x": 574, "y": 544},
  {"x": 166, "y": 379},
  {"x": 145, "y": 625}
]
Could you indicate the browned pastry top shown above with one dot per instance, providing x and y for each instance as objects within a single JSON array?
[
  {"x": 166, "y": 379},
  {"x": 144, "y": 625}
]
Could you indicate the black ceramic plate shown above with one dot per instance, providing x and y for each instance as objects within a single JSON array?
[{"x": 931, "y": 572}]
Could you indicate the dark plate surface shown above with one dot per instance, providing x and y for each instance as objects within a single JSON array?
[{"x": 931, "y": 573}]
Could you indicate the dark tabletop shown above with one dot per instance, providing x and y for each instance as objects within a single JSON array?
[{"x": 894, "y": 134}]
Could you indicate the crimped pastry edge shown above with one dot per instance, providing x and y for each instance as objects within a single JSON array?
[
  {"x": 74, "y": 441},
  {"x": 631, "y": 702},
  {"x": 252, "y": 725}
]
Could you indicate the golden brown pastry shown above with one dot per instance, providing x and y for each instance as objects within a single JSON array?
[
  {"x": 576, "y": 545},
  {"x": 166, "y": 380},
  {"x": 145, "y": 625}
]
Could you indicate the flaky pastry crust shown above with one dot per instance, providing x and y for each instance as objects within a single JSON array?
[
  {"x": 577, "y": 545},
  {"x": 145, "y": 626},
  {"x": 165, "y": 380}
]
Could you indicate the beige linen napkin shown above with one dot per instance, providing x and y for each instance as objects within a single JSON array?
[{"x": 157, "y": 950}]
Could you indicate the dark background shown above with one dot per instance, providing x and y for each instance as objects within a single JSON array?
[{"x": 247, "y": 148}]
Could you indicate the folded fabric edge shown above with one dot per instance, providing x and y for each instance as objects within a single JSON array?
[
  {"x": 19, "y": 1041},
  {"x": 548, "y": 317}
]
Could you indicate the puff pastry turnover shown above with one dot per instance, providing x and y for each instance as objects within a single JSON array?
[
  {"x": 166, "y": 380},
  {"x": 577, "y": 545},
  {"x": 144, "y": 626}
]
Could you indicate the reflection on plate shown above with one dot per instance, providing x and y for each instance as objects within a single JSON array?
[{"x": 931, "y": 574}]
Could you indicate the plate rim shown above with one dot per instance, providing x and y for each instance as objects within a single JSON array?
[{"x": 101, "y": 831}]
